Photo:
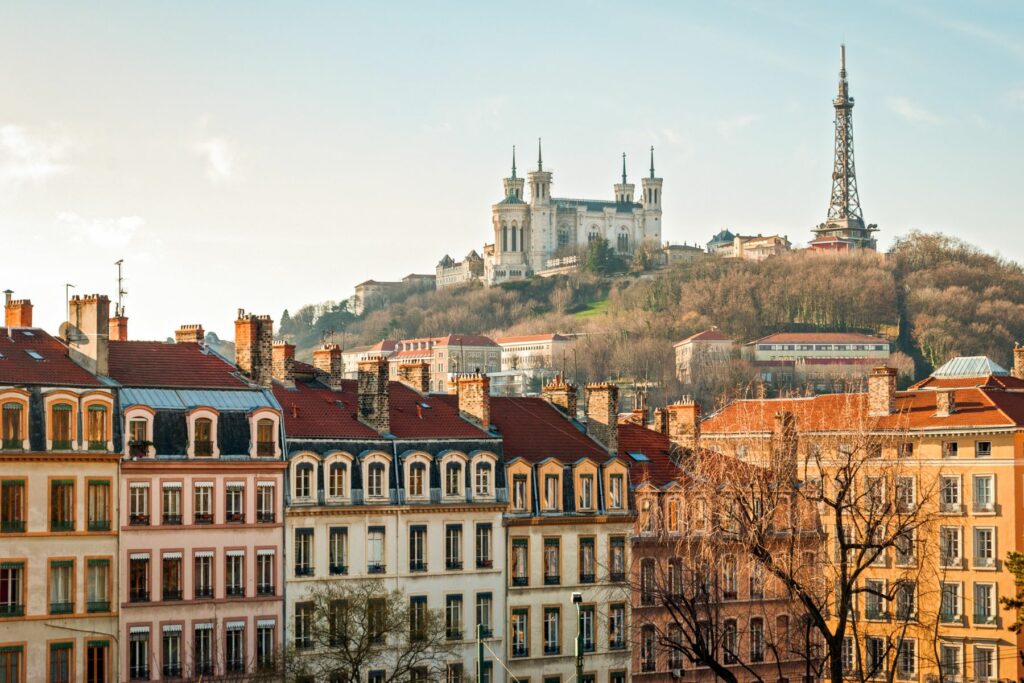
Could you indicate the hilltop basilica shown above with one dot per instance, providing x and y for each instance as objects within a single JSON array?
[{"x": 529, "y": 236}]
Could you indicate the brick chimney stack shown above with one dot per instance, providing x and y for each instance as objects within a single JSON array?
[
  {"x": 190, "y": 334},
  {"x": 1018, "y": 361},
  {"x": 660, "y": 421},
  {"x": 475, "y": 399},
  {"x": 88, "y": 332},
  {"x": 683, "y": 423},
  {"x": 283, "y": 366},
  {"x": 784, "y": 444},
  {"x": 17, "y": 312},
  {"x": 327, "y": 362},
  {"x": 945, "y": 402},
  {"x": 254, "y": 340},
  {"x": 603, "y": 414},
  {"x": 119, "y": 328},
  {"x": 374, "y": 394},
  {"x": 416, "y": 375},
  {"x": 882, "y": 392},
  {"x": 560, "y": 393}
]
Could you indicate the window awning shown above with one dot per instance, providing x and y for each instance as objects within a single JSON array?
[
  {"x": 263, "y": 552},
  {"x": 172, "y": 628},
  {"x": 139, "y": 485},
  {"x": 235, "y": 625},
  {"x": 204, "y": 553},
  {"x": 136, "y": 630},
  {"x": 203, "y": 484},
  {"x": 139, "y": 556},
  {"x": 235, "y": 484},
  {"x": 265, "y": 484},
  {"x": 174, "y": 555},
  {"x": 235, "y": 553},
  {"x": 203, "y": 627},
  {"x": 266, "y": 623},
  {"x": 172, "y": 484}
]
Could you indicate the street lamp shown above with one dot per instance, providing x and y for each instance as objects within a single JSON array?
[{"x": 577, "y": 599}]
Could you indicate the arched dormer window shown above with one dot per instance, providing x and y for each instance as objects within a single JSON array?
[
  {"x": 202, "y": 442},
  {"x": 418, "y": 482},
  {"x": 302, "y": 485},
  {"x": 453, "y": 478},
  {"x": 138, "y": 429},
  {"x": 375, "y": 480},
  {"x": 483, "y": 480},
  {"x": 14, "y": 423},
  {"x": 97, "y": 434},
  {"x": 61, "y": 424},
  {"x": 337, "y": 480},
  {"x": 265, "y": 440},
  {"x": 263, "y": 429}
]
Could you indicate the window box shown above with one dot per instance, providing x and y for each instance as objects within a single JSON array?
[
  {"x": 12, "y": 527},
  {"x": 62, "y": 525},
  {"x": 265, "y": 517},
  {"x": 97, "y": 445},
  {"x": 13, "y": 444},
  {"x": 203, "y": 592},
  {"x": 203, "y": 518},
  {"x": 485, "y": 564},
  {"x": 984, "y": 563},
  {"x": 337, "y": 569},
  {"x": 950, "y": 618},
  {"x": 61, "y": 446},
  {"x": 303, "y": 571},
  {"x": 12, "y": 610},
  {"x": 265, "y": 589},
  {"x": 375, "y": 568},
  {"x": 418, "y": 566},
  {"x": 235, "y": 518},
  {"x": 99, "y": 525},
  {"x": 172, "y": 519},
  {"x": 138, "y": 595},
  {"x": 235, "y": 591},
  {"x": 616, "y": 577},
  {"x": 519, "y": 651},
  {"x": 98, "y": 606},
  {"x": 520, "y": 581},
  {"x": 453, "y": 565},
  {"x": 139, "y": 449},
  {"x": 586, "y": 578},
  {"x": 552, "y": 580},
  {"x": 172, "y": 594},
  {"x": 138, "y": 520},
  {"x": 985, "y": 619},
  {"x": 61, "y": 608}
]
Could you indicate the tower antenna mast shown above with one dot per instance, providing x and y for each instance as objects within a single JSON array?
[{"x": 121, "y": 291}]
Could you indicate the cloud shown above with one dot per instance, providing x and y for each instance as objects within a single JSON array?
[
  {"x": 1015, "y": 98},
  {"x": 727, "y": 128},
  {"x": 912, "y": 112},
  {"x": 104, "y": 232},
  {"x": 219, "y": 159},
  {"x": 29, "y": 157}
]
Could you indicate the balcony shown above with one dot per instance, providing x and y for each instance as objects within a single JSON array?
[
  {"x": 138, "y": 449},
  {"x": 138, "y": 519},
  {"x": 172, "y": 671},
  {"x": 235, "y": 665},
  {"x": 338, "y": 569},
  {"x": 138, "y": 673},
  {"x": 265, "y": 517},
  {"x": 172, "y": 519},
  {"x": 13, "y": 526},
  {"x": 60, "y": 445},
  {"x": 265, "y": 589},
  {"x": 202, "y": 449},
  {"x": 587, "y": 578},
  {"x": 983, "y": 507},
  {"x": 13, "y": 444},
  {"x": 647, "y": 665},
  {"x": 417, "y": 566},
  {"x": 234, "y": 518},
  {"x": 265, "y": 449},
  {"x": 203, "y": 669},
  {"x": 375, "y": 568},
  {"x": 97, "y": 445},
  {"x": 519, "y": 650},
  {"x": 202, "y": 518},
  {"x": 303, "y": 570},
  {"x": 12, "y": 610},
  {"x": 138, "y": 595},
  {"x": 484, "y": 564},
  {"x": 552, "y": 579},
  {"x": 172, "y": 594},
  {"x": 617, "y": 644},
  {"x": 453, "y": 565},
  {"x": 62, "y": 525},
  {"x": 519, "y": 581},
  {"x": 98, "y": 606},
  {"x": 99, "y": 525},
  {"x": 202, "y": 592},
  {"x": 729, "y": 595},
  {"x": 62, "y": 607},
  {"x": 235, "y": 591}
]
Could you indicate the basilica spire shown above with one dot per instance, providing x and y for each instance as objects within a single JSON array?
[
  {"x": 623, "y": 168},
  {"x": 652, "y": 161},
  {"x": 540, "y": 157},
  {"x": 513, "y": 162}
]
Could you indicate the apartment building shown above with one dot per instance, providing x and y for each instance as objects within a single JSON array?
[
  {"x": 533, "y": 351},
  {"x": 351, "y": 358},
  {"x": 702, "y": 352},
  {"x": 957, "y": 442},
  {"x": 201, "y": 520},
  {"x": 446, "y": 357},
  {"x": 822, "y": 361},
  {"x": 388, "y": 482},
  {"x": 58, "y": 497}
]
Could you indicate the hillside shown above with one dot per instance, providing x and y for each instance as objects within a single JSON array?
[{"x": 935, "y": 296}]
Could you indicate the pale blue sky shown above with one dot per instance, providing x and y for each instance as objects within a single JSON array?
[{"x": 267, "y": 155}]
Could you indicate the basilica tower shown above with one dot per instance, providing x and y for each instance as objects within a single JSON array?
[{"x": 652, "y": 203}]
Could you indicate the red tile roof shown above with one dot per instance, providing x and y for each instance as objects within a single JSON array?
[
  {"x": 312, "y": 410},
  {"x": 520, "y": 339},
  {"x": 17, "y": 367},
  {"x": 819, "y": 338},
  {"x": 411, "y": 353},
  {"x": 161, "y": 364},
  {"x": 465, "y": 340},
  {"x": 659, "y": 469},
  {"x": 713, "y": 334}
]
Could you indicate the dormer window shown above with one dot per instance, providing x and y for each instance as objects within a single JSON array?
[
  {"x": 138, "y": 429},
  {"x": 453, "y": 479},
  {"x": 586, "y": 492},
  {"x": 12, "y": 421},
  {"x": 519, "y": 492},
  {"x": 265, "y": 440},
  {"x": 615, "y": 492},
  {"x": 417, "y": 480},
  {"x": 303, "y": 488},
  {"x": 337, "y": 480},
  {"x": 202, "y": 443},
  {"x": 96, "y": 427},
  {"x": 60, "y": 429},
  {"x": 551, "y": 492},
  {"x": 482, "y": 486},
  {"x": 375, "y": 480}
]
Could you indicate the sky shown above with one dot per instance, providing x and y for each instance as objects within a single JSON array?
[{"x": 264, "y": 155}]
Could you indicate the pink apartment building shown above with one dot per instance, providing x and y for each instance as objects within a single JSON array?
[{"x": 200, "y": 565}]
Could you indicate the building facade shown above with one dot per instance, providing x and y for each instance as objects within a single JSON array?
[
  {"x": 452, "y": 273},
  {"x": 528, "y": 235},
  {"x": 821, "y": 361},
  {"x": 701, "y": 352},
  {"x": 351, "y": 358},
  {"x": 533, "y": 351},
  {"x": 748, "y": 247},
  {"x": 446, "y": 357}
]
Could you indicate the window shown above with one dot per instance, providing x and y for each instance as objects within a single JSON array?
[
  {"x": 452, "y": 479},
  {"x": 730, "y": 580},
  {"x": 984, "y": 547},
  {"x": 906, "y": 600},
  {"x": 455, "y": 673},
  {"x": 234, "y": 645},
  {"x": 97, "y": 580},
  {"x": 265, "y": 502},
  {"x": 375, "y": 480},
  {"x": 951, "y": 606},
  {"x": 484, "y": 604},
  {"x": 138, "y": 437},
  {"x": 12, "y": 506},
  {"x": 234, "y": 501},
  {"x": 96, "y": 427},
  {"x": 202, "y": 649},
  {"x": 674, "y": 514},
  {"x": 61, "y": 658},
  {"x": 60, "y": 434},
  {"x": 12, "y": 585},
  {"x": 172, "y": 503},
  {"x": 482, "y": 483},
  {"x": 338, "y": 547},
  {"x": 202, "y": 444},
  {"x": 616, "y": 627},
  {"x": 417, "y": 480},
  {"x": 303, "y": 480},
  {"x": 265, "y": 441},
  {"x": 202, "y": 575},
  {"x": 949, "y": 494},
  {"x": 303, "y": 552},
  {"x": 552, "y": 630},
  {"x": 520, "y": 562},
  {"x": 138, "y": 653},
  {"x": 265, "y": 644},
  {"x": 617, "y": 559},
  {"x": 730, "y": 641},
  {"x": 62, "y": 505},
  {"x": 984, "y": 493},
  {"x": 756, "y": 582},
  {"x": 417, "y": 548},
  {"x": 13, "y": 426},
  {"x": 982, "y": 449},
  {"x": 98, "y": 504},
  {"x": 62, "y": 581},
  {"x": 483, "y": 546},
  {"x": 586, "y": 501},
  {"x": 984, "y": 603},
  {"x": 874, "y": 599},
  {"x": 520, "y": 628},
  {"x": 519, "y": 492},
  {"x": 172, "y": 651},
  {"x": 906, "y": 494},
  {"x": 875, "y": 650},
  {"x": 587, "y": 560},
  {"x": 905, "y": 542},
  {"x": 418, "y": 617},
  {"x": 138, "y": 503},
  {"x": 172, "y": 576},
  {"x": 453, "y": 546},
  {"x": 265, "y": 572},
  {"x": 647, "y": 582},
  {"x": 952, "y": 665},
  {"x": 551, "y": 492},
  {"x": 949, "y": 449},
  {"x": 984, "y": 663},
  {"x": 648, "y": 655},
  {"x": 453, "y": 617},
  {"x": 615, "y": 492},
  {"x": 97, "y": 662},
  {"x": 203, "y": 503},
  {"x": 375, "y": 546},
  {"x": 138, "y": 577},
  {"x": 587, "y": 627},
  {"x": 235, "y": 572},
  {"x": 337, "y": 480},
  {"x": 552, "y": 563},
  {"x": 303, "y": 625},
  {"x": 950, "y": 547}
]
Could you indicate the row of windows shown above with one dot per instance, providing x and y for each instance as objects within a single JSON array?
[
  {"x": 202, "y": 439},
  {"x": 61, "y": 425},
  {"x": 552, "y": 626},
  {"x": 551, "y": 560},
  {"x": 551, "y": 493},
  {"x": 752, "y": 645},
  {"x": 194, "y": 654},
  {"x": 61, "y": 586},
  {"x": 881, "y": 656},
  {"x": 61, "y": 662},
  {"x": 822, "y": 347},
  {"x": 62, "y": 508},
  {"x": 172, "y": 496},
  {"x": 169, "y": 568}
]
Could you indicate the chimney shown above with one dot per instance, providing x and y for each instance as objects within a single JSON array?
[
  {"x": 475, "y": 399},
  {"x": 1018, "y": 361},
  {"x": 660, "y": 420},
  {"x": 603, "y": 414},
  {"x": 784, "y": 445},
  {"x": 327, "y": 362},
  {"x": 88, "y": 331},
  {"x": 374, "y": 398},
  {"x": 882, "y": 392},
  {"x": 415, "y": 375},
  {"x": 283, "y": 365},
  {"x": 560, "y": 393},
  {"x": 254, "y": 339},
  {"x": 683, "y": 423},
  {"x": 190, "y": 334},
  {"x": 17, "y": 312},
  {"x": 119, "y": 328},
  {"x": 945, "y": 402}
]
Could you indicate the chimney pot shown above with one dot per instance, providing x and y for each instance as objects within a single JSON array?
[
  {"x": 682, "y": 424},
  {"x": 374, "y": 394},
  {"x": 415, "y": 375},
  {"x": 475, "y": 399},
  {"x": 327, "y": 363},
  {"x": 882, "y": 392},
  {"x": 945, "y": 402},
  {"x": 17, "y": 312},
  {"x": 283, "y": 368},
  {"x": 254, "y": 339},
  {"x": 190, "y": 334},
  {"x": 562, "y": 394},
  {"x": 603, "y": 414},
  {"x": 89, "y": 332},
  {"x": 119, "y": 328}
]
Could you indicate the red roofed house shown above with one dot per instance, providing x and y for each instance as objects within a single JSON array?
[
  {"x": 700, "y": 352},
  {"x": 823, "y": 361},
  {"x": 447, "y": 356},
  {"x": 350, "y": 358}
]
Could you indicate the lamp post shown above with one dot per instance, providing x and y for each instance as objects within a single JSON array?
[{"x": 577, "y": 600}]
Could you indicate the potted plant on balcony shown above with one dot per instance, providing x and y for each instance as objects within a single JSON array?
[{"x": 138, "y": 449}]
